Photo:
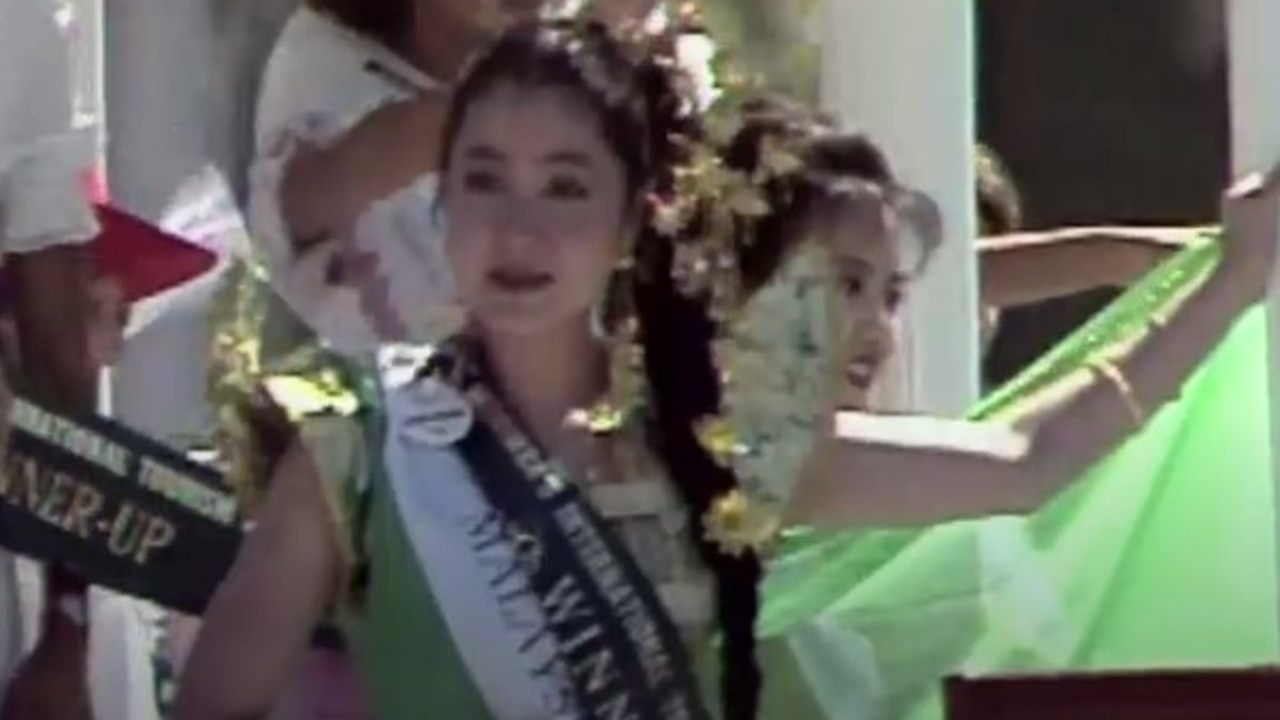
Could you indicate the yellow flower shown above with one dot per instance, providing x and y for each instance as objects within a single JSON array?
[
  {"x": 668, "y": 219},
  {"x": 736, "y": 525},
  {"x": 748, "y": 201},
  {"x": 777, "y": 161},
  {"x": 715, "y": 435},
  {"x": 600, "y": 419}
]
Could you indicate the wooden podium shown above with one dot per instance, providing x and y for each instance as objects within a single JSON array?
[{"x": 1220, "y": 694}]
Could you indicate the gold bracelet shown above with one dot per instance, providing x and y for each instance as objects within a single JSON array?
[{"x": 1108, "y": 370}]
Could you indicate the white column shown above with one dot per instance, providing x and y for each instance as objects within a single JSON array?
[
  {"x": 902, "y": 71},
  {"x": 1253, "y": 28},
  {"x": 87, "y": 45}
]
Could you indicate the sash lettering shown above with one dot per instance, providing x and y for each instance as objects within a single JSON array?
[
  {"x": 511, "y": 585},
  {"x": 625, "y": 656}
]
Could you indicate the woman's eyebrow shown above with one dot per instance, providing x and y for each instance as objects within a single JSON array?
[
  {"x": 575, "y": 158},
  {"x": 852, "y": 263},
  {"x": 483, "y": 152}
]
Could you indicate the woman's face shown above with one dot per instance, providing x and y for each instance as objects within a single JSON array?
[
  {"x": 537, "y": 205},
  {"x": 869, "y": 288}
]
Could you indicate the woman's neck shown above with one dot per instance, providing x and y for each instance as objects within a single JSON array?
[{"x": 546, "y": 377}]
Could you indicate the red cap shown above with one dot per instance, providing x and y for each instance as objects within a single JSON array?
[{"x": 144, "y": 259}]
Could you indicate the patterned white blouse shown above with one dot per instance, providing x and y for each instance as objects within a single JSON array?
[{"x": 321, "y": 80}]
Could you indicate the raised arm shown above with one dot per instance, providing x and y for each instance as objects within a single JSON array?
[
  {"x": 256, "y": 629},
  {"x": 1021, "y": 268},
  {"x": 339, "y": 126},
  {"x": 1074, "y": 424},
  {"x": 325, "y": 187},
  {"x": 330, "y": 146}
]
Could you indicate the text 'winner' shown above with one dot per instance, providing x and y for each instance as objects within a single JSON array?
[{"x": 120, "y": 509}]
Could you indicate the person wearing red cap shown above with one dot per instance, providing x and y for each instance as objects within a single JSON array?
[
  {"x": 133, "y": 265},
  {"x": 44, "y": 220}
]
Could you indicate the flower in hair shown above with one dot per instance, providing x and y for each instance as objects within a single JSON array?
[
  {"x": 747, "y": 201},
  {"x": 715, "y": 435},
  {"x": 776, "y": 161},
  {"x": 669, "y": 218},
  {"x": 626, "y": 384},
  {"x": 737, "y": 526},
  {"x": 691, "y": 269}
]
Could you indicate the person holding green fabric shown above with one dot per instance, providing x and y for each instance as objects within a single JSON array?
[
  {"x": 804, "y": 654},
  {"x": 489, "y": 559}
]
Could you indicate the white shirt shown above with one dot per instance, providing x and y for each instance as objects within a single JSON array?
[
  {"x": 323, "y": 79},
  {"x": 43, "y": 159}
]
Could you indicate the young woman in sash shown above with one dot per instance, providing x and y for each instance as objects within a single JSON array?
[
  {"x": 493, "y": 578},
  {"x": 343, "y": 186}
]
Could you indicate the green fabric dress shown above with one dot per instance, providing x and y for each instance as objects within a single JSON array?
[
  {"x": 397, "y": 638},
  {"x": 397, "y": 635}
]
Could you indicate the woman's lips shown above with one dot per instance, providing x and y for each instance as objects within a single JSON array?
[
  {"x": 519, "y": 281},
  {"x": 861, "y": 372}
]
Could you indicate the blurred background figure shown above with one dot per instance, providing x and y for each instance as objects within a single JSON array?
[{"x": 44, "y": 220}]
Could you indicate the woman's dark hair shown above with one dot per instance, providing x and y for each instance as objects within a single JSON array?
[
  {"x": 383, "y": 20},
  {"x": 679, "y": 335},
  {"x": 643, "y": 117},
  {"x": 999, "y": 204},
  {"x": 832, "y": 164}
]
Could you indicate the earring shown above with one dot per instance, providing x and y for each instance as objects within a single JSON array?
[
  {"x": 612, "y": 305},
  {"x": 612, "y": 323},
  {"x": 596, "y": 321}
]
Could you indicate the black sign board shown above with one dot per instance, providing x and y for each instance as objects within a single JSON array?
[{"x": 117, "y": 508}]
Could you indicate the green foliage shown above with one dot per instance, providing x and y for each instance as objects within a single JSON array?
[{"x": 768, "y": 38}]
